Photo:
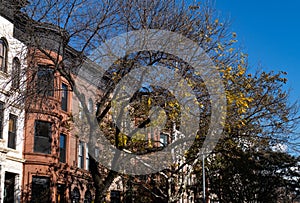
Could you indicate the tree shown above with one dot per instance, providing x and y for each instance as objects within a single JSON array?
[{"x": 64, "y": 33}]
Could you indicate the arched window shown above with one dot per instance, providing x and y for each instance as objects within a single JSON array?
[
  {"x": 3, "y": 55},
  {"x": 15, "y": 74},
  {"x": 87, "y": 197},
  {"x": 75, "y": 195}
]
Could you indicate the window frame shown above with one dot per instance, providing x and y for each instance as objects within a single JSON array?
[
  {"x": 3, "y": 54},
  {"x": 61, "y": 193},
  {"x": 16, "y": 73},
  {"x": 80, "y": 158},
  {"x": 10, "y": 180},
  {"x": 64, "y": 96},
  {"x": 45, "y": 75},
  {"x": 90, "y": 106},
  {"x": 1, "y": 118},
  {"x": 45, "y": 182},
  {"x": 75, "y": 195},
  {"x": 64, "y": 148},
  {"x": 12, "y": 135},
  {"x": 115, "y": 196},
  {"x": 163, "y": 139},
  {"x": 87, "y": 158},
  {"x": 38, "y": 139},
  {"x": 88, "y": 197}
]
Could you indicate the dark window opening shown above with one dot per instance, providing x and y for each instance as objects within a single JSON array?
[
  {"x": 45, "y": 81},
  {"x": 1, "y": 119},
  {"x": 40, "y": 191},
  {"x": 12, "y": 131},
  {"x": 15, "y": 75},
  {"x": 88, "y": 197},
  {"x": 61, "y": 197},
  {"x": 62, "y": 148},
  {"x": 3, "y": 55},
  {"x": 42, "y": 137},
  {"x": 115, "y": 196},
  {"x": 75, "y": 195},
  {"x": 64, "y": 97},
  {"x": 9, "y": 187}
]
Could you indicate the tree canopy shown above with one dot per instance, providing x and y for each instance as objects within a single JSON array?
[{"x": 244, "y": 165}]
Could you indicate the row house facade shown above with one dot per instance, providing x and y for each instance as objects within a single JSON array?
[
  {"x": 12, "y": 62},
  {"x": 43, "y": 157},
  {"x": 56, "y": 160},
  {"x": 41, "y": 160}
]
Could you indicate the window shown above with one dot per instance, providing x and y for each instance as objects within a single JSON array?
[
  {"x": 115, "y": 196},
  {"x": 64, "y": 97},
  {"x": 40, "y": 191},
  {"x": 87, "y": 160},
  {"x": 62, "y": 148},
  {"x": 61, "y": 197},
  {"x": 1, "y": 119},
  {"x": 80, "y": 115},
  {"x": 42, "y": 137},
  {"x": 163, "y": 140},
  {"x": 75, "y": 195},
  {"x": 12, "y": 131},
  {"x": 45, "y": 81},
  {"x": 80, "y": 154},
  {"x": 3, "y": 55},
  {"x": 83, "y": 156},
  {"x": 97, "y": 152},
  {"x": 87, "y": 197},
  {"x": 9, "y": 187},
  {"x": 15, "y": 75},
  {"x": 91, "y": 105}
]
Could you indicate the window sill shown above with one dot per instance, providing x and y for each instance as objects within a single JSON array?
[
  {"x": 40, "y": 154},
  {"x": 12, "y": 150}
]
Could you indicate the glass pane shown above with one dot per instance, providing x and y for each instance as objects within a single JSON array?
[
  {"x": 62, "y": 148},
  {"x": 62, "y": 141},
  {"x": 40, "y": 190},
  {"x": 64, "y": 99},
  {"x": 1, "y": 119},
  {"x": 45, "y": 81},
  {"x": 60, "y": 198},
  {"x": 91, "y": 105},
  {"x": 12, "y": 131},
  {"x": 42, "y": 137},
  {"x": 16, "y": 73},
  {"x": 9, "y": 187},
  {"x": 42, "y": 145},
  {"x": 87, "y": 197},
  {"x": 75, "y": 195},
  {"x": 11, "y": 140},
  {"x": 42, "y": 128},
  {"x": 1, "y": 48},
  {"x": 12, "y": 124}
]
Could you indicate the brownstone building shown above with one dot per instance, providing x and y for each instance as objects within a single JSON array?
[{"x": 55, "y": 161}]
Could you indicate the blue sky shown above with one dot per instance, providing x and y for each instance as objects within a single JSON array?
[{"x": 269, "y": 31}]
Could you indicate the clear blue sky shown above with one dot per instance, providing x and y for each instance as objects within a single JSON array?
[{"x": 269, "y": 30}]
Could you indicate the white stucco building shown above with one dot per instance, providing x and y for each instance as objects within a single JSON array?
[{"x": 12, "y": 61}]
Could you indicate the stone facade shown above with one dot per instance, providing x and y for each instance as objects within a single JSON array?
[{"x": 11, "y": 114}]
